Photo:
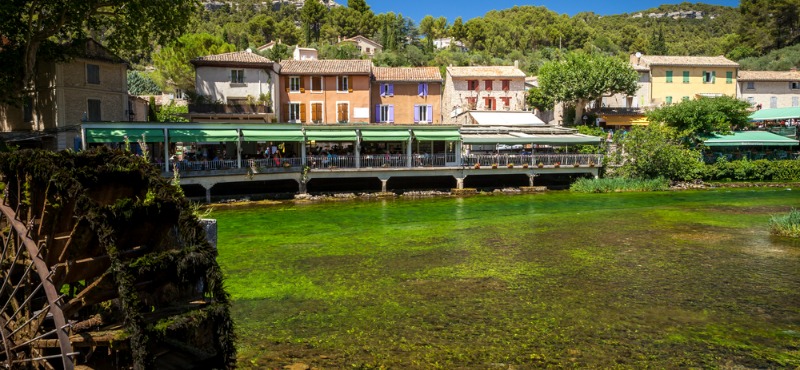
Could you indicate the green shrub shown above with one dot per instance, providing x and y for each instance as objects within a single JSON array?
[
  {"x": 786, "y": 225},
  {"x": 618, "y": 184},
  {"x": 759, "y": 170}
]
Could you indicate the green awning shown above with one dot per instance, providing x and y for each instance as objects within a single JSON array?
[
  {"x": 775, "y": 114},
  {"x": 384, "y": 135},
  {"x": 117, "y": 135},
  {"x": 749, "y": 138},
  {"x": 574, "y": 139},
  {"x": 202, "y": 136},
  {"x": 331, "y": 135},
  {"x": 273, "y": 135},
  {"x": 437, "y": 135},
  {"x": 495, "y": 139},
  {"x": 558, "y": 140}
]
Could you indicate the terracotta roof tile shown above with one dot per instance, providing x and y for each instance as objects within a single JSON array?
[
  {"x": 669, "y": 60},
  {"x": 485, "y": 71},
  {"x": 240, "y": 58},
  {"x": 769, "y": 76},
  {"x": 326, "y": 67},
  {"x": 410, "y": 74}
]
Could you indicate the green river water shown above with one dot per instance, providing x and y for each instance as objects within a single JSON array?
[{"x": 687, "y": 279}]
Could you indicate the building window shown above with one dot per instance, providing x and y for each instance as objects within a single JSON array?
[
  {"x": 794, "y": 85},
  {"x": 237, "y": 76},
  {"x": 316, "y": 112},
  {"x": 316, "y": 83},
  {"x": 506, "y": 84},
  {"x": 296, "y": 112},
  {"x": 506, "y": 102},
  {"x": 709, "y": 77},
  {"x": 489, "y": 104},
  {"x": 728, "y": 77},
  {"x": 751, "y": 100},
  {"x": 795, "y": 101},
  {"x": 93, "y": 74},
  {"x": 294, "y": 84},
  {"x": 387, "y": 89},
  {"x": 384, "y": 113},
  {"x": 343, "y": 84},
  {"x": 423, "y": 113},
  {"x": 669, "y": 77},
  {"x": 686, "y": 77},
  {"x": 422, "y": 89},
  {"x": 487, "y": 85},
  {"x": 342, "y": 112},
  {"x": 669, "y": 100},
  {"x": 368, "y": 51},
  {"x": 685, "y": 98},
  {"x": 751, "y": 85},
  {"x": 95, "y": 110},
  {"x": 472, "y": 85},
  {"x": 773, "y": 102}
]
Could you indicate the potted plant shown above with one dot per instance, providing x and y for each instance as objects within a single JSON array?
[
  {"x": 510, "y": 165},
  {"x": 577, "y": 164},
  {"x": 524, "y": 165},
  {"x": 540, "y": 165},
  {"x": 287, "y": 165},
  {"x": 591, "y": 164},
  {"x": 494, "y": 165},
  {"x": 477, "y": 166},
  {"x": 557, "y": 165}
]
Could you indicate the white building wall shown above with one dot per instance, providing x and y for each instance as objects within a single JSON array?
[
  {"x": 215, "y": 83},
  {"x": 456, "y": 94},
  {"x": 764, "y": 92}
]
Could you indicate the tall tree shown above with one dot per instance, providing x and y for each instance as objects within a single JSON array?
[
  {"x": 770, "y": 24},
  {"x": 312, "y": 15},
  {"x": 580, "y": 78},
  {"x": 694, "y": 118},
  {"x": 31, "y": 29},
  {"x": 658, "y": 46},
  {"x": 172, "y": 62}
]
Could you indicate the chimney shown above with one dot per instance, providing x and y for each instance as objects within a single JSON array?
[{"x": 516, "y": 63}]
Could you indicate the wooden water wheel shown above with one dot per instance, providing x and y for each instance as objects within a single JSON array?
[{"x": 105, "y": 267}]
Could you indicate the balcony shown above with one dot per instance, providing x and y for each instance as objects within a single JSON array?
[{"x": 230, "y": 112}]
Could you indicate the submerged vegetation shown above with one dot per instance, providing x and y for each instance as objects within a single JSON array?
[
  {"x": 618, "y": 184},
  {"x": 786, "y": 225}
]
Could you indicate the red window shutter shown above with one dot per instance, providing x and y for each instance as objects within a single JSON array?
[
  {"x": 506, "y": 85},
  {"x": 488, "y": 85}
]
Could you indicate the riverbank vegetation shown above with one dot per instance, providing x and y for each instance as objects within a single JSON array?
[
  {"x": 786, "y": 225},
  {"x": 618, "y": 184}
]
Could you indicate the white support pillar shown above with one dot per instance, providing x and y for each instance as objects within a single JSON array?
[
  {"x": 357, "y": 153},
  {"x": 459, "y": 148},
  {"x": 459, "y": 183},
  {"x": 409, "y": 157},
  {"x": 383, "y": 185},
  {"x": 83, "y": 138},
  {"x": 239, "y": 151},
  {"x": 167, "y": 167},
  {"x": 303, "y": 157}
]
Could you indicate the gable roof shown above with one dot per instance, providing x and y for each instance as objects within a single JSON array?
[
  {"x": 407, "y": 74},
  {"x": 688, "y": 61},
  {"x": 360, "y": 38},
  {"x": 485, "y": 71},
  {"x": 326, "y": 67},
  {"x": 769, "y": 76},
  {"x": 91, "y": 49},
  {"x": 235, "y": 59}
]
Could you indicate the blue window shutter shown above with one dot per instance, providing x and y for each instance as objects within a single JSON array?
[
  {"x": 416, "y": 113},
  {"x": 391, "y": 89},
  {"x": 383, "y": 90},
  {"x": 430, "y": 113},
  {"x": 391, "y": 113},
  {"x": 426, "y": 89},
  {"x": 421, "y": 89},
  {"x": 377, "y": 113}
]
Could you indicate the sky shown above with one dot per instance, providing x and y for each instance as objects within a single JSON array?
[{"x": 468, "y": 9}]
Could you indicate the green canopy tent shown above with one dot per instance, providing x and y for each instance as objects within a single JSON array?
[
  {"x": 279, "y": 135},
  {"x": 437, "y": 135},
  {"x": 331, "y": 135},
  {"x": 117, "y": 135},
  {"x": 384, "y": 135},
  {"x": 202, "y": 136},
  {"x": 774, "y": 114},
  {"x": 748, "y": 138}
]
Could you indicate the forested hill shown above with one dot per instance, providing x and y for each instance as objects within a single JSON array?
[{"x": 531, "y": 35}]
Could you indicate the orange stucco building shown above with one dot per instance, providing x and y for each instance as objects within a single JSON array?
[
  {"x": 325, "y": 91},
  {"x": 406, "y": 95}
]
